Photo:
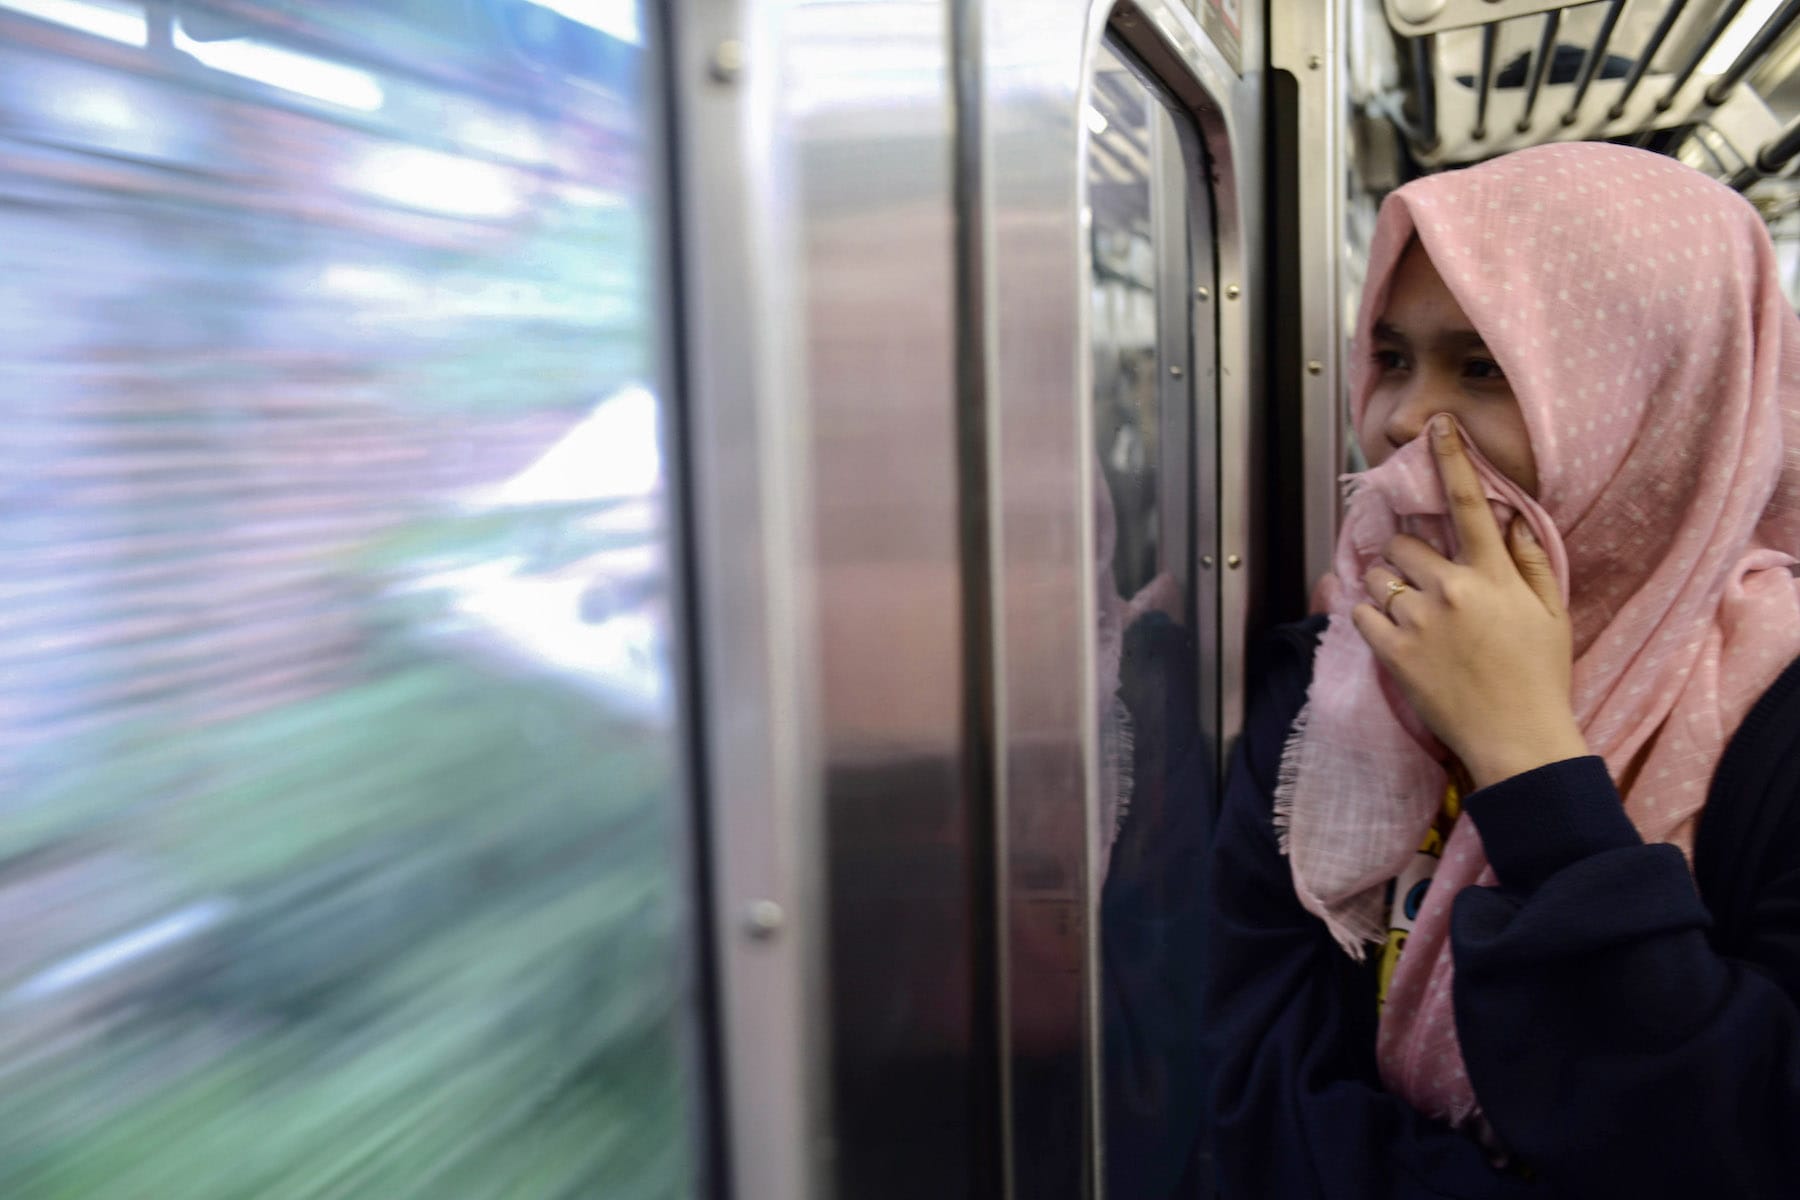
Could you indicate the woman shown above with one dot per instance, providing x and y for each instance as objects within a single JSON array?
[{"x": 1547, "y": 751}]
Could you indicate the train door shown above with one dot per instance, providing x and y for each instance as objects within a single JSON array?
[{"x": 974, "y": 294}]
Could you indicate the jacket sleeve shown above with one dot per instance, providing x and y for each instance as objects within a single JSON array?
[
  {"x": 1297, "y": 1109},
  {"x": 1612, "y": 1047}
]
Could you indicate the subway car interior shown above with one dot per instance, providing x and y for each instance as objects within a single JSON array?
[{"x": 650, "y": 600}]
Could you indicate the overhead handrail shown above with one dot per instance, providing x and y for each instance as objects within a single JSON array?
[
  {"x": 1490, "y": 34},
  {"x": 1699, "y": 52},
  {"x": 1595, "y": 56},
  {"x": 1780, "y": 152},
  {"x": 1750, "y": 55},
  {"x": 1638, "y": 68},
  {"x": 1772, "y": 158},
  {"x": 1541, "y": 66}
]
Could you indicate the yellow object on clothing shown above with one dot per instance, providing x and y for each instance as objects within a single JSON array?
[{"x": 1407, "y": 892}]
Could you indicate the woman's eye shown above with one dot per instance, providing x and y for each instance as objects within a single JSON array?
[
  {"x": 1390, "y": 360},
  {"x": 1483, "y": 368}
]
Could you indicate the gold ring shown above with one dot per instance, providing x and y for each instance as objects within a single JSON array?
[{"x": 1394, "y": 588}]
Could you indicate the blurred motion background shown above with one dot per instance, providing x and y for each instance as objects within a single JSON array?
[{"x": 339, "y": 782}]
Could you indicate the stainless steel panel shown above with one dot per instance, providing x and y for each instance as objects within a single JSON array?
[
  {"x": 875, "y": 188},
  {"x": 828, "y": 369},
  {"x": 1033, "y": 100}
]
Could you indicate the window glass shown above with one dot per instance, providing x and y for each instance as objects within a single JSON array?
[
  {"x": 340, "y": 770},
  {"x": 1152, "y": 413}
]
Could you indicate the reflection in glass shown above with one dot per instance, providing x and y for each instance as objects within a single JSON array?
[
  {"x": 117, "y": 20},
  {"x": 1155, "y": 772},
  {"x": 338, "y": 753}
]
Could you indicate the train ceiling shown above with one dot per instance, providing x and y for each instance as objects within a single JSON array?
[{"x": 1717, "y": 84}]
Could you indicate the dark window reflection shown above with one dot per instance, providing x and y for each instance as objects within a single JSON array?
[
  {"x": 337, "y": 750},
  {"x": 1155, "y": 770}
]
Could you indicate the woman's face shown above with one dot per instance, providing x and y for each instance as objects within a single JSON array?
[{"x": 1428, "y": 360}]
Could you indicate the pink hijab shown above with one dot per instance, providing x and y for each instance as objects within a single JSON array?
[{"x": 1635, "y": 306}]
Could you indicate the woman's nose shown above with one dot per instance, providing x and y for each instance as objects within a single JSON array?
[{"x": 1420, "y": 402}]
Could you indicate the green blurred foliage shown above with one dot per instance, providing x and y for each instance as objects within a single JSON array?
[{"x": 448, "y": 969}]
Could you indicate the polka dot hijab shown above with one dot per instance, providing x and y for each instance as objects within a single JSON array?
[{"x": 1635, "y": 307}]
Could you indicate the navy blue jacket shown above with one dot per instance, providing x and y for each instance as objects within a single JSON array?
[
  {"x": 1153, "y": 915},
  {"x": 1627, "y": 1032}
]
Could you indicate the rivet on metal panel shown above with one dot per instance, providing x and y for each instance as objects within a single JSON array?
[
  {"x": 1315, "y": 61},
  {"x": 762, "y": 919},
  {"x": 1234, "y": 561},
  {"x": 1206, "y": 561},
  {"x": 727, "y": 61},
  {"x": 1175, "y": 371},
  {"x": 1232, "y": 291},
  {"x": 1314, "y": 367},
  {"x": 1204, "y": 294}
]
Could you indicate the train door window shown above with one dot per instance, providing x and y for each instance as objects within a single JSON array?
[
  {"x": 341, "y": 767},
  {"x": 1154, "y": 485}
]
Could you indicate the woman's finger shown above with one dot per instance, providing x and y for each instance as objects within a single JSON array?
[
  {"x": 1477, "y": 534},
  {"x": 1379, "y": 581},
  {"x": 1418, "y": 562},
  {"x": 1381, "y": 633},
  {"x": 1534, "y": 564}
]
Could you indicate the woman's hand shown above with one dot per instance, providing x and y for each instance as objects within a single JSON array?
[{"x": 1480, "y": 646}]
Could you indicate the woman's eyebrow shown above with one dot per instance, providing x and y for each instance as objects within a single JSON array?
[{"x": 1387, "y": 333}]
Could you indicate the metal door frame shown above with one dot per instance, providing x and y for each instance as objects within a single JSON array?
[
  {"x": 750, "y": 624},
  {"x": 1034, "y": 88},
  {"x": 1306, "y": 44}
]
